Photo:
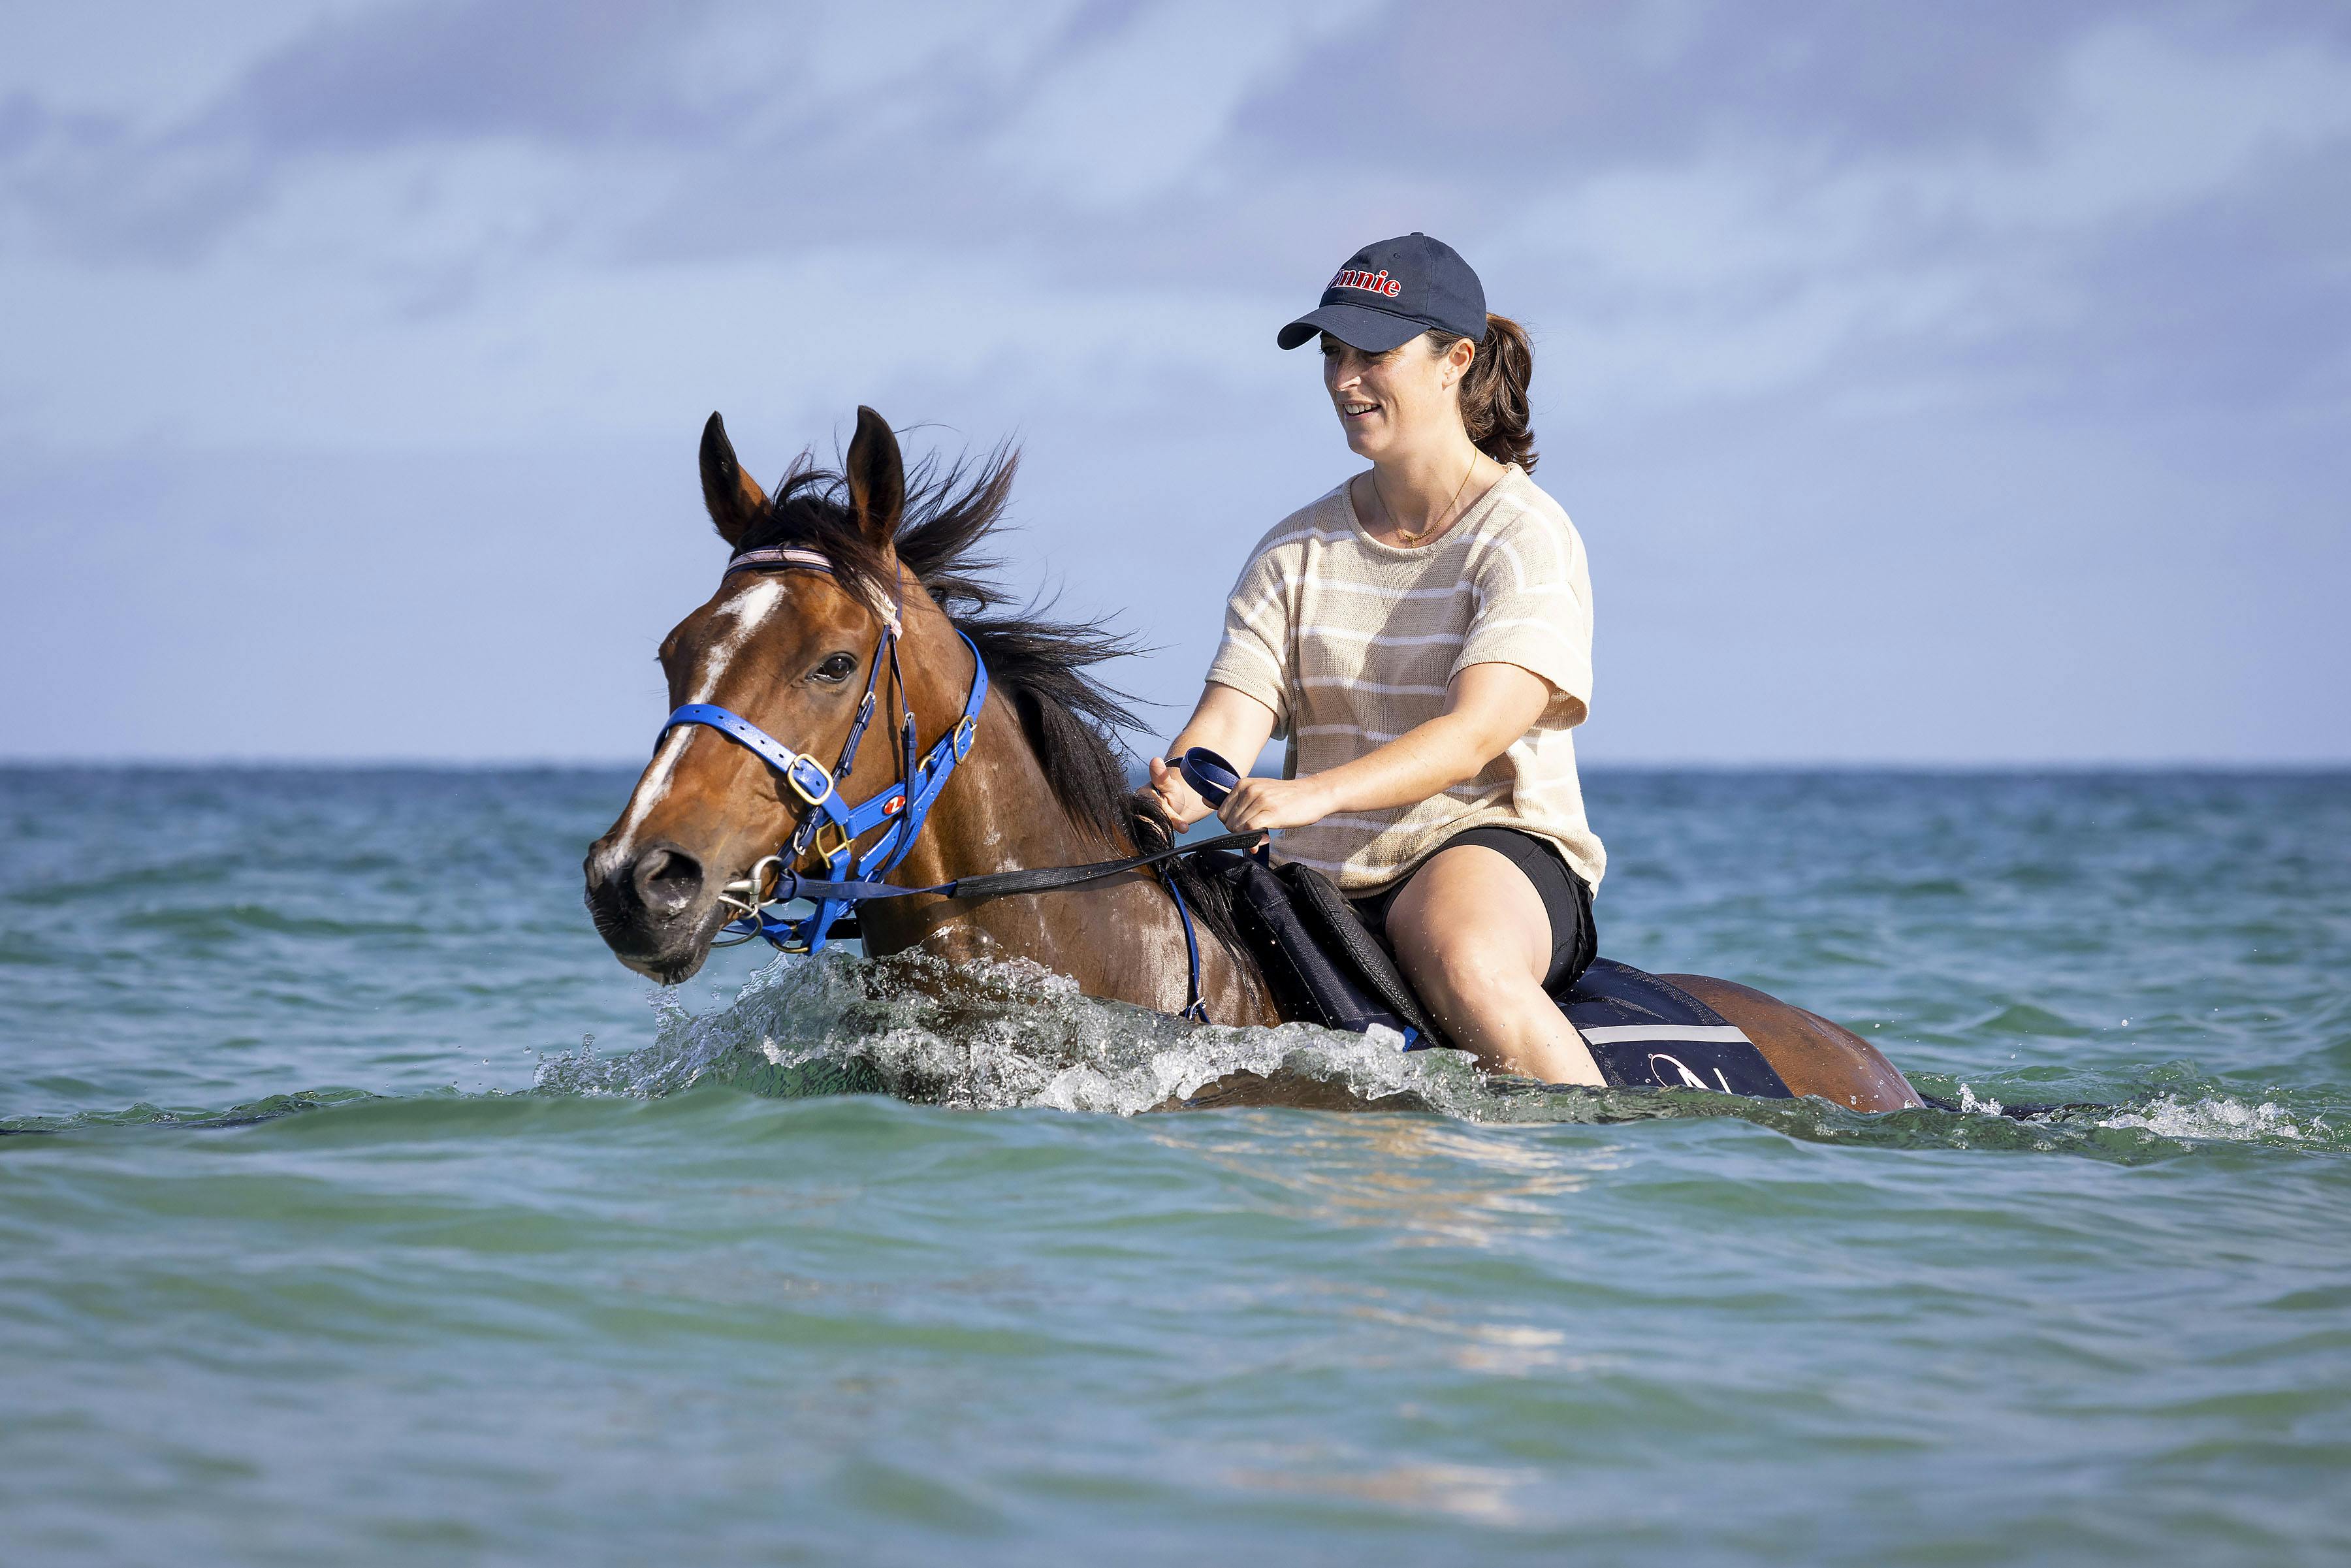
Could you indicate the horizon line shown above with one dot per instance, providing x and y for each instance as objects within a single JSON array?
[{"x": 263, "y": 764}]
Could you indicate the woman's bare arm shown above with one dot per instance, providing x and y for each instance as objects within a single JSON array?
[
  {"x": 1231, "y": 724},
  {"x": 1487, "y": 708}
]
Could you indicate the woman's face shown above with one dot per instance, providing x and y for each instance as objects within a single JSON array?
[{"x": 1388, "y": 403}]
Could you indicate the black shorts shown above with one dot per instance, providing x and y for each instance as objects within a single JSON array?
[{"x": 1565, "y": 898}]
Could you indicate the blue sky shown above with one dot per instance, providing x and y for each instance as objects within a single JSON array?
[{"x": 1931, "y": 383}]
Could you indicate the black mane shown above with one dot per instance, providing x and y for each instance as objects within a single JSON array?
[{"x": 1044, "y": 667}]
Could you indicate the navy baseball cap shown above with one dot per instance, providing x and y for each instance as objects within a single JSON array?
[{"x": 1392, "y": 292}]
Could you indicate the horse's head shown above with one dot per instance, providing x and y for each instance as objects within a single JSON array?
[{"x": 789, "y": 650}]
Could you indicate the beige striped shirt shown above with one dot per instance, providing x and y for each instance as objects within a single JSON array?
[{"x": 1351, "y": 642}]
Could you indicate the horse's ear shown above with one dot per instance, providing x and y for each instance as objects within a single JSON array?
[
  {"x": 877, "y": 478},
  {"x": 734, "y": 498}
]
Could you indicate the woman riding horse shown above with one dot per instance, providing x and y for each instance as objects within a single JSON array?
[
  {"x": 854, "y": 699},
  {"x": 1422, "y": 635}
]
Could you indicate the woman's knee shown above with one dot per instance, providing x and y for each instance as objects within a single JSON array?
[{"x": 1464, "y": 972}]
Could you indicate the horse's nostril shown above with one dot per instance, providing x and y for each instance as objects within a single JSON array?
[{"x": 667, "y": 881}]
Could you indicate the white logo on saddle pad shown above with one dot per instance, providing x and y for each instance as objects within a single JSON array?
[{"x": 1690, "y": 1079}]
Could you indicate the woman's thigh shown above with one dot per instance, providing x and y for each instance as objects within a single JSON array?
[{"x": 1469, "y": 915}]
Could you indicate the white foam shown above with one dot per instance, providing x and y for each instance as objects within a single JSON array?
[
  {"x": 994, "y": 1035},
  {"x": 1970, "y": 1105},
  {"x": 2213, "y": 1118}
]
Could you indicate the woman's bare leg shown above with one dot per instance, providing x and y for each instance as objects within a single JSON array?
[{"x": 1472, "y": 936}]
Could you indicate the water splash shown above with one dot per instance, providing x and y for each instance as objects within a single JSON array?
[
  {"x": 1972, "y": 1107},
  {"x": 2217, "y": 1118},
  {"x": 1005, "y": 1035},
  {"x": 997, "y": 1035}
]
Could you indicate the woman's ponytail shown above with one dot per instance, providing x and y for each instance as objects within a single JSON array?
[{"x": 1494, "y": 391}]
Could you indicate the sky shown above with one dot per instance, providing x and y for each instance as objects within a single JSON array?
[{"x": 1931, "y": 384}]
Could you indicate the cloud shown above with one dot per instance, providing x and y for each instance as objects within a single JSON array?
[
  {"x": 583, "y": 75},
  {"x": 1757, "y": 264},
  {"x": 1692, "y": 203},
  {"x": 1758, "y": 245},
  {"x": 1144, "y": 105}
]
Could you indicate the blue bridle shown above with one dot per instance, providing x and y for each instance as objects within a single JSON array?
[
  {"x": 826, "y": 824},
  {"x": 832, "y": 828}
]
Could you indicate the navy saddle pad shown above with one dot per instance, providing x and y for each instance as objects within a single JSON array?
[
  {"x": 1324, "y": 966},
  {"x": 1646, "y": 1033}
]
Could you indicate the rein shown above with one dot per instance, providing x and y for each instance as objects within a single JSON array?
[{"x": 851, "y": 878}]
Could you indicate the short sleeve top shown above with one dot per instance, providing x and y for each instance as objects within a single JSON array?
[{"x": 1351, "y": 642}]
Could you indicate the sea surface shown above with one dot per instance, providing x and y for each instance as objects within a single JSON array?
[{"x": 358, "y": 1207}]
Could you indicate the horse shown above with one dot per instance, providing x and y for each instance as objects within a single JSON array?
[{"x": 872, "y": 566}]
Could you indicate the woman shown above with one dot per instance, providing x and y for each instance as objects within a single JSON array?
[{"x": 1423, "y": 636}]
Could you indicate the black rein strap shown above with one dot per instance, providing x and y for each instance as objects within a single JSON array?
[
  {"x": 1049, "y": 879},
  {"x": 998, "y": 885}
]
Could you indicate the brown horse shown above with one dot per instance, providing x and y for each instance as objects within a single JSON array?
[{"x": 1041, "y": 786}]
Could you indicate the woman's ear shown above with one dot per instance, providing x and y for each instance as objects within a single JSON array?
[{"x": 1457, "y": 358}]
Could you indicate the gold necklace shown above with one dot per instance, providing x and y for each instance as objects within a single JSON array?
[{"x": 1405, "y": 536}]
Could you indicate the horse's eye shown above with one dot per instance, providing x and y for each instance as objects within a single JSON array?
[{"x": 837, "y": 669}]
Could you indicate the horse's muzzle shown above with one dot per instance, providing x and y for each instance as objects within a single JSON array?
[{"x": 657, "y": 910}]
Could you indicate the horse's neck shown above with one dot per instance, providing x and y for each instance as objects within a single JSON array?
[
  {"x": 1119, "y": 939},
  {"x": 998, "y": 812}
]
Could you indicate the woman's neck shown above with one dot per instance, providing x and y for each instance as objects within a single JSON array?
[{"x": 1417, "y": 495}]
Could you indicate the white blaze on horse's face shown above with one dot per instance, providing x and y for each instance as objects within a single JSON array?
[
  {"x": 741, "y": 616},
  {"x": 745, "y": 613}
]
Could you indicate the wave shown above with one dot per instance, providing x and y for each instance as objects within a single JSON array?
[{"x": 1011, "y": 1035}]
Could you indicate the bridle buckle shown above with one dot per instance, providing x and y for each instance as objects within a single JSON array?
[
  {"x": 841, "y": 845},
  {"x": 795, "y": 776}
]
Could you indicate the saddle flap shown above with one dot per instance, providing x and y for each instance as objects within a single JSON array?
[
  {"x": 1311, "y": 960},
  {"x": 1646, "y": 1032},
  {"x": 1319, "y": 899}
]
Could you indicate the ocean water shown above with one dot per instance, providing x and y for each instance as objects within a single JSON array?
[{"x": 359, "y": 1207}]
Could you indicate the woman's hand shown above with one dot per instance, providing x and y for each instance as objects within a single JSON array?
[
  {"x": 1277, "y": 803},
  {"x": 1229, "y": 723},
  {"x": 1173, "y": 795}
]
